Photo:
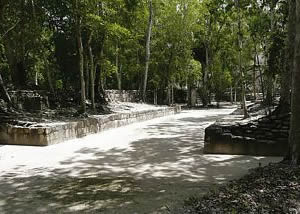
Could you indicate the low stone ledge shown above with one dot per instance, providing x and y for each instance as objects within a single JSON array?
[
  {"x": 49, "y": 134},
  {"x": 264, "y": 137}
]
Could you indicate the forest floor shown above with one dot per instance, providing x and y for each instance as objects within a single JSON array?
[
  {"x": 147, "y": 167},
  {"x": 270, "y": 189}
]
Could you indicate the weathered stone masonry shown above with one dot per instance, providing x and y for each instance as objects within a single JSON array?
[
  {"x": 48, "y": 134},
  {"x": 267, "y": 136}
]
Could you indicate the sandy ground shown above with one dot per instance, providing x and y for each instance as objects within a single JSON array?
[{"x": 146, "y": 167}]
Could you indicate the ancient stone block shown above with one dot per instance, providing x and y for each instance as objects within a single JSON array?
[{"x": 43, "y": 136}]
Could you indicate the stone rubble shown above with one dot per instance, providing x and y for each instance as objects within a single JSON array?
[{"x": 264, "y": 136}]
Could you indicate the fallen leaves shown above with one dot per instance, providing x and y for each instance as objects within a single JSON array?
[{"x": 271, "y": 189}]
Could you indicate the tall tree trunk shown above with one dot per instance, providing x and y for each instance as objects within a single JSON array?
[
  {"x": 270, "y": 76},
  {"x": 148, "y": 42},
  {"x": 99, "y": 84},
  {"x": 189, "y": 92},
  {"x": 172, "y": 94},
  {"x": 97, "y": 81},
  {"x": 140, "y": 75},
  {"x": 120, "y": 76},
  {"x": 254, "y": 77},
  {"x": 50, "y": 81},
  {"x": 244, "y": 105},
  {"x": 36, "y": 79},
  {"x": 262, "y": 84},
  {"x": 98, "y": 75},
  {"x": 87, "y": 74},
  {"x": 155, "y": 96},
  {"x": 285, "y": 96},
  {"x": 81, "y": 61},
  {"x": 3, "y": 92},
  {"x": 169, "y": 94},
  {"x": 205, "y": 77},
  {"x": 294, "y": 143},
  {"x": 242, "y": 76},
  {"x": 91, "y": 71},
  {"x": 269, "y": 88},
  {"x": 231, "y": 94},
  {"x": 118, "y": 69},
  {"x": 21, "y": 67},
  {"x": 235, "y": 94}
]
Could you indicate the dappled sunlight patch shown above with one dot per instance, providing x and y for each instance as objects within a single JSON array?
[
  {"x": 143, "y": 165},
  {"x": 77, "y": 194}
]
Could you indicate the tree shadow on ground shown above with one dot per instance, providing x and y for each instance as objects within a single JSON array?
[{"x": 165, "y": 167}]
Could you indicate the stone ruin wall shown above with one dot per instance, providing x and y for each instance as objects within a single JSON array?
[
  {"x": 267, "y": 136},
  {"x": 42, "y": 134},
  {"x": 122, "y": 95}
]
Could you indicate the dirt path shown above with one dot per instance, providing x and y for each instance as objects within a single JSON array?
[{"x": 141, "y": 168}]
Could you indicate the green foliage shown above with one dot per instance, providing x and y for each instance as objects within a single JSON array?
[
  {"x": 222, "y": 79},
  {"x": 173, "y": 39},
  {"x": 59, "y": 84},
  {"x": 194, "y": 72},
  {"x": 117, "y": 31},
  {"x": 190, "y": 38}
]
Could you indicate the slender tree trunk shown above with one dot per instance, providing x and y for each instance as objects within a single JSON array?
[
  {"x": 294, "y": 143},
  {"x": 3, "y": 92},
  {"x": 36, "y": 79},
  {"x": 285, "y": 97},
  {"x": 98, "y": 75},
  {"x": 97, "y": 81},
  {"x": 120, "y": 76},
  {"x": 102, "y": 77},
  {"x": 87, "y": 74},
  {"x": 189, "y": 94},
  {"x": 118, "y": 69},
  {"x": 81, "y": 61},
  {"x": 254, "y": 77},
  {"x": 205, "y": 77},
  {"x": 269, "y": 88},
  {"x": 242, "y": 76},
  {"x": 99, "y": 84},
  {"x": 21, "y": 67},
  {"x": 148, "y": 43},
  {"x": 99, "y": 91},
  {"x": 270, "y": 76},
  {"x": 235, "y": 94},
  {"x": 172, "y": 94},
  {"x": 155, "y": 96},
  {"x": 244, "y": 104},
  {"x": 92, "y": 71},
  {"x": 169, "y": 94},
  {"x": 261, "y": 78},
  {"x": 140, "y": 75},
  {"x": 49, "y": 79},
  {"x": 231, "y": 94}
]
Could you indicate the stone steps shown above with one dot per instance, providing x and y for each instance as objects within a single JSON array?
[{"x": 266, "y": 136}]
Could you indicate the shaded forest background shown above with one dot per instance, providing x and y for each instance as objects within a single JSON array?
[{"x": 88, "y": 46}]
